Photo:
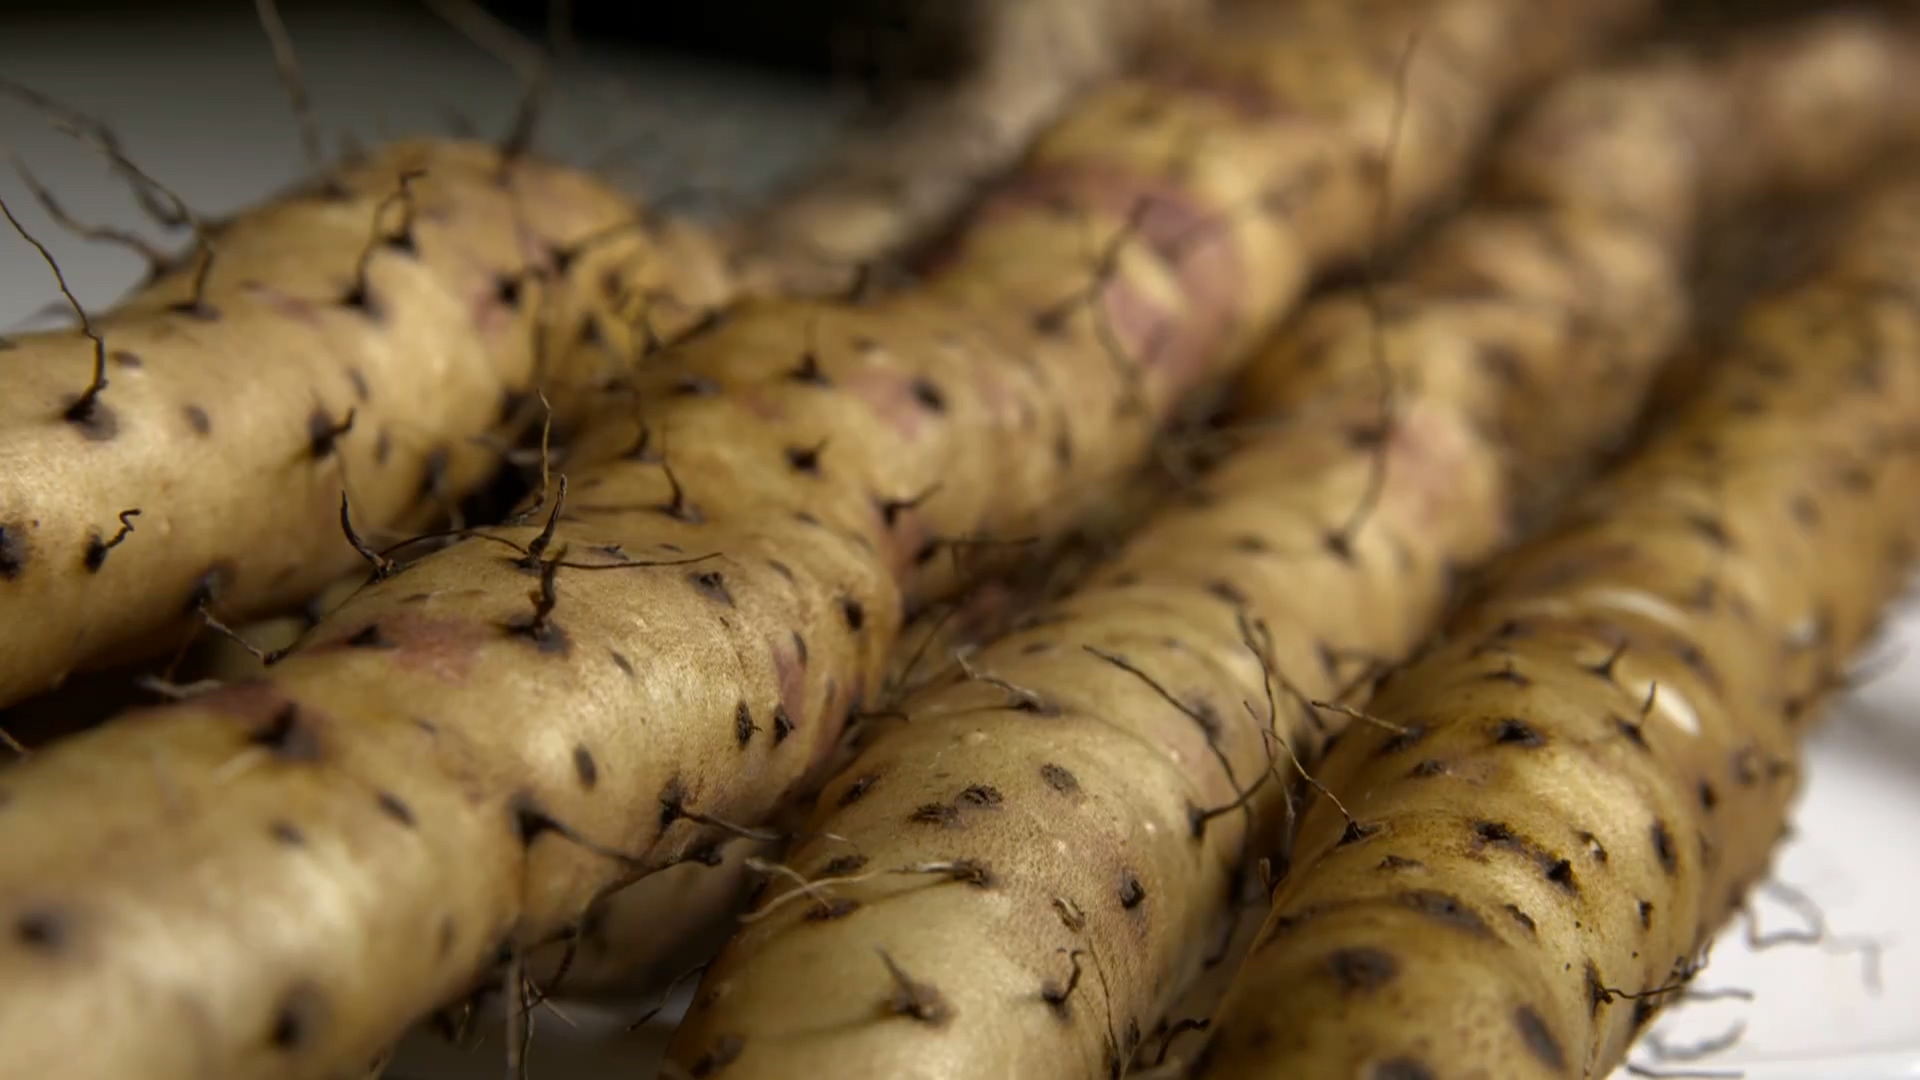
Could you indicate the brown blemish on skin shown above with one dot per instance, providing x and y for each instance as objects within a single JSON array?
[
  {"x": 1539, "y": 1039},
  {"x": 288, "y": 736},
  {"x": 1361, "y": 969},
  {"x": 197, "y": 419},
  {"x": 984, "y": 795},
  {"x": 41, "y": 930},
  {"x": 712, "y": 585},
  {"x": 1059, "y": 779},
  {"x": 1401, "y": 1068},
  {"x": 392, "y": 806},
  {"x": 857, "y": 790},
  {"x": 842, "y": 865},
  {"x": 1447, "y": 909},
  {"x": 585, "y": 767},
  {"x": 1132, "y": 893},
  {"x": 941, "y": 814},
  {"x": 15, "y": 552},
  {"x": 298, "y": 1019},
  {"x": 1525, "y": 920}
]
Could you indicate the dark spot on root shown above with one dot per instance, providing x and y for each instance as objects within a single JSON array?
[
  {"x": 743, "y": 725},
  {"x": 391, "y": 806},
  {"x": 585, "y": 767},
  {"x": 853, "y": 613},
  {"x": 1361, "y": 969},
  {"x": 982, "y": 795},
  {"x": 1663, "y": 848},
  {"x": 298, "y": 1019},
  {"x": 929, "y": 395},
  {"x": 1539, "y": 1039},
  {"x": 1646, "y": 914},
  {"x": 208, "y": 586},
  {"x": 941, "y": 814},
  {"x": 620, "y": 661},
  {"x": 1631, "y": 732},
  {"x": 1401, "y": 1068},
  {"x": 1492, "y": 832},
  {"x": 1227, "y": 591},
  {"x": 287, "y": 737},
  {"x": 286, "y": 832},
  {"x": 1132, "y": 893},
  {"x": 1560, "y": 872},
  {"x": 1597, "y": 995},
  {"x": 1059, "y": 779},
  {"x": 1401, "y": 740},
  {"x": 694, "y": 386},
  {"x": 1709, "y": 798},
  {"x": 1595, "y": 849},
  {"x": 1357, "y": 831},
  {"x": 828, "y": 910},
  {"x": 506, "y": 290},
  {"x": 712, "y": 585},
  {"x": 96, "y": 420},
  {"x": 1427, "y": 769},
  {"x": 1399, "y": 862},
  {"x": 41, "y": 930},
  {"x": 14, "y": 551},
  {"x": 1525, "y": 920},
  {"x": 809, "y": 371},
  {"x": 842, "y": 865},
  {"x": 369, "y": 637},
  {"x": 782, "y": 724},
  {"x": 725, "y": 1051},
  {"x": 323, "y": 433},
  {"x": 858, "y": 789},
  {"x": 1643, "y": 1011},
  {"x": 1514, "y": 732},
  {"x": 198, "y": 420},
  {"x": 1446, "y": 908},
  {"x": 914, "y": 999},
  {"x": 804, "y": 459}
]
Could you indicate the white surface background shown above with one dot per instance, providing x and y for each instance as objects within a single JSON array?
[{"x": 199, "y": 107}]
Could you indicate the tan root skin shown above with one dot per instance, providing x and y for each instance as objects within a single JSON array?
[
  {"x": 1037, "y": 857},
  {"x": 1595, "y": 767},
  {"x": 219, "y": 420},
  {"x": 462, "y": 757},
  {"x": 894, "y": 181}
]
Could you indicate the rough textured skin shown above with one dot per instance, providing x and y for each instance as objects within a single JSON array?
[
  {"x": 222, "y": 421},
  {"x": 1068, "y": 808},
  {"x": 1598, "y": 761},
  {"x": 466, "y": 753}
]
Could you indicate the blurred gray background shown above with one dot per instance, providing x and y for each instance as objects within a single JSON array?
[{"x": 191, "y": 88}]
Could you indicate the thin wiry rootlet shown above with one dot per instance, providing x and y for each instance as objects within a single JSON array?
[
  {"x": 1593, "y": 770},
  {"x": 473, "y": 748},
  {"x": 188, "y": 450},
  {"x": 1015, "y": 876}
]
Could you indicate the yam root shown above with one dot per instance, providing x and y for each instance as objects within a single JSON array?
[
  {"x": 468, "y": 752},
  {"x": 1029, "y": 864},
  {"x": 1592, "y": 770},
  {"x": 190, "y": 449},
  {"x": 907, "y": 169}
]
